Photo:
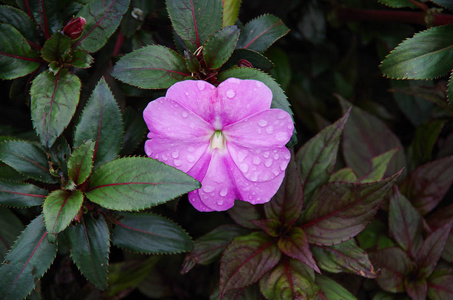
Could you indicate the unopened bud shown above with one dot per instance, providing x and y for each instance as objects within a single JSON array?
[
  {"x": 75, "y": 27},
  {"x": 245, "y": 63}
]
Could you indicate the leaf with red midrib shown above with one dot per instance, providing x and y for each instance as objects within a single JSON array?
[
  {"x": 60, "y": 208},
  {"x": 246, "y": 260},
  {"x": 17, "y": 194}
]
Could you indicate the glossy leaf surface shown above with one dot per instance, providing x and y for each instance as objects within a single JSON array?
[
  {"x": 60, "y": 208},
  {"x": 17, "y": 194},
  {"x": 10, "y": 228},
  {"x": 329, "y": 289},
  {"x": 80, "y": 163},
  {"x": 219, "y": 46}
]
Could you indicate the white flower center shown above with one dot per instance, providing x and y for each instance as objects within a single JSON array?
[{"x": 217, "y": 140}]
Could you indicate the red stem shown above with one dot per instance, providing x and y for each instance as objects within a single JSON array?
[
  {"x": 118, "y": 44},
  {"x": 414, "y": 17}
]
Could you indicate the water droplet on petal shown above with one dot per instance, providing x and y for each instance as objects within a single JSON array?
[
  {"x": 276, "y": 156},
  {"x": 208, "y": 188},
  {"x": 262, "y": 123},
  {"x": 276, "y": 172},
  {"x": 177, "y": 163},
  {"x": 230, "y": 94},
  {"x": 283, "y": 165},
  {"x": 281, "y": 115},
  {"x": 256, "y": 160},
  {"x": 244, "y": 168},
  {"x": 223, "y": 192},
  {"x": 191, "y": 149},
  {"x": 175, "y": 154},
  {"x": 184, "y": 114},
  {"x": 220, "y": 202},
  {"x": 287, "y": 156},
  {"x": 268, "y": 163},
  {"x": 281, "y": 136},
  {"x": 242, "y": 155},
  {"x": 190, "y": 158},
  {"x": 234, "y": 80},
  {"x": 266, "y": 154},
  {"x": 259, "y": 84},
  {"x": 254, "y": 177},
  {"x": 270, "y": 129},
  {"x": 201, "y": 85},
  {"x": 290, "y": 126},
  {"x": 187, "y": 93}
]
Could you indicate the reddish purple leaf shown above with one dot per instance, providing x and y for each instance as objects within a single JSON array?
[
  {"x": 286, "y": 205},
  {"x": 295, "y": 245},
  {"x": 405, "y": 223},
  {"x": 271, "y": 227},
  {"x": 341, "y": 210},
  {"x": 243, "y": 212},
  {"x": 439, "y": 219},
  {"x": 416, "y": 289},
  {"x": 395, "y": 265},
  {"x": 428, "y": 184},
  {"x": 246, "y": 260},
  {"x": 344, "y": 257},
  {"x": 439, "y": 284},
  {"x": 431, "y": 250}
]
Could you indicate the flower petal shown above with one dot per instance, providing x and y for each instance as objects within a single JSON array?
[
  {"x": 180, "y": 154},
  {"x": 241, "y": 98},
  {"x": 217, "y": 191},
  {"x": 167, "y": 118},
  {"x": 269, "y": 128},
  {"x": 196, "y": 95},
  {"x": 259, "y": 165}
]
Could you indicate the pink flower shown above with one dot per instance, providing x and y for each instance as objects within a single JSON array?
[{"x": 227, "y": 138}]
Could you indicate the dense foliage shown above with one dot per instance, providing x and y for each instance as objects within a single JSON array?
[{"x": 365, "y": 208}]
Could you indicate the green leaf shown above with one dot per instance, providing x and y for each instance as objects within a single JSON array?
[
  {"x": 80, "y": 59},
  {"x": 10, "y": 229},
  {"x": 195, "y": 20},
  {"x": 151, "y": 67},
  {"x": 405, "y": 223},
  {"x": 210, "y": 246},
  {"x": 192, "y": 63},
  {"x": 375, "y": 236},
  {"x": 27, "y": 261},
  {"x": 427, "y": 185},
  {"x": 135, "y": 130},
  {"x": 329, "y": 289},
  {"x": 27, "y": 158},
  {"x": 258, "y": 60},
  {"x": 243, "y": 213},
  {"x": 59, "y": 154},
  {"x": 260, "y": 33},
  {"x": 19, "y": 20},
  {"x": 219, "y": 46},
  {"x": 246, "y": 260},
  {"x": 286, "y": 205},
  {"x": 444, "y": 3},
  {"x": 340, "y": 210},
  {"x": 290, "y": 279},
  {"x": 439, "y": 284},
  {"x": 427, "y": 55},
  {"x": 395, "y": 266},
  {"x": 80, "y": 163},
  {"x": 21, "y": 195},
  {"x": 16, "y": 57},
  {"x": 295, "y": 245},
  {"x": 135, "y": 183},
  {"x": 398, "y": 3},
  {"x": 431, "y": 251},
  {"x": 344, "y": 257},
  {"x": 271, "y": 227},
  {"x": 345, "y": 174},
  {"x": 366, "y": 137},
  {"x": 54, "y": 99},
  {"x": 416, "y": 288},
  {"x": 230, "y": 11},
  {"x": 155, "y": 233},
  {"x": 316, "y": 159},
  {"x": 102, "y": 18},
  {"x": 90, "y": 247},
  {"x": 101, "y": 122},
  {"x": 45, "y": 14},
  {"x": 55, "y": 47},
  {"x": 279, "y": 99},
  {"x": 60, "y": 208},
  {"x": 379, "y": 165}
]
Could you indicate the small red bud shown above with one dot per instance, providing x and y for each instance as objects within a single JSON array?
[
  {"x": 245, "y": 63},
  {"x": 75, "y": 27}
]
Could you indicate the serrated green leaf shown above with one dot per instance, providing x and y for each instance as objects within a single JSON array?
[
  {"x": 219, "y": 46},
  {"x": 230, "y": 11},
  {"x": 60, "y": 208},
  {"x": 256, "y": 59},
  {"x": 151, "y": 67},
  {"x": 192, "y": 63},
  {"x": 102, "y": 18},
  {"x": 444, "y": 3},
  {"x": 210, "y": 246},
  {"x": 54, "y": 99},
  {"x": 398, "y": 3},
  {"x": 80, "y": 163},
  {"x": 379, "y": 165},
  {"x": 375, "y": 236},
  {"x": 329, "y": 289},
  {"x": 345, "y": 174},
  {"x": 317, "y": 157},
  {"x": 135, "y": 130},
  {"x": 260, "y": 33},
  {"x": 45, "y": 14},
  {"x": 90, "y": 248},
  {"x": 59, "y": 154},
  {"x": 101, "y": 122},
  {"x": 21, "y": 195},
  {"x": 55, "y": 47},
  {"x": 10, "y": 229},
  {"x": 427, "y": 55},
  {"x": 27, "y": 158},
  {"x": 340, "y": 210},
  {"x": 80, "y": 59},
  {"x": 155, "y": 233},
  {"x": 135, "y": 183},
  {"x": 290, "y": 279},
  {"x": 195, "y": 20},
  {"x": 19, "y": 20},
  {"x": 28, "y": 260},
  {"x": 405, "y": 224},
  {"x": 16, "y": 57},
  {"x": 246, "y": 260},
  {"x": 344, "y": 257}
]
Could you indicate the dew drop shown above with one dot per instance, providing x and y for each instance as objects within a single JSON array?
[
  {"x": 283, "y": 166},
  {"x": 230, "y": 94},
  {"x": 234, "y": 80},
  {"x": 270, "y": 129},
  {"x": 290, "y": 126},
  {"x": 177, "y": 163},
  {"x": 190, "y": 158},
  {"x": 187, "y": 93},
  {"x": 223, "y": 192},
  {"x": 281, "y": 136},
  {"x": 164, "y": 157},
  {"x": 201, "y": 85},
  {"x": 254, "y": 177},
  {"x": 276, "y": 172},
  {"x": 287, "y": 156},
  {"x": 256, "y": 160},
  {"x": 281, "y": 115},
  {"x": 262, "y": 123},
  {"x": 259, "y": 84},
  {"x": 184, "y": 114},
  {"x": 266, "y": 154},
  {"x": 242, "y": 155},
  {"x": 208, "y": 188},
  {"x": 276, "y": 156},
  {"x": 268, "y": 163},
  {"x": 175, "y": 154},
  {"x": 191, "y": 149},
  {"x": 244, "y": 168},
  {"x": 220, "y": 202}
]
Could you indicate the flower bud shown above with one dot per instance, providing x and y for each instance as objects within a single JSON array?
[
  {"x": 75, "y": 27},
  {"x": 245, "y": 63}
]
